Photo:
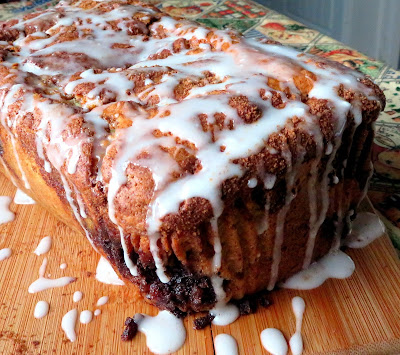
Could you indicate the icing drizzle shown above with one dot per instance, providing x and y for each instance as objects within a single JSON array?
[{"x": 111, "y": 62}]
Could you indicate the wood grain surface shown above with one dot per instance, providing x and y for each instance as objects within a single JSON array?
[{"x": 360, "y": 315}]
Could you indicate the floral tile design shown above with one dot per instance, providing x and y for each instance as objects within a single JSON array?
[
  {"x": 185, "y": 8},
  {"x": 286, "y": 31},
  {"x": 349, "y": 57},
  {"x": 238, "y": 25},
  {"x": 237, "y": 9}
]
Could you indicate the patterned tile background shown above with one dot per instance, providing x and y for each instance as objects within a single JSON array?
[{"x": 255, "y": 20}]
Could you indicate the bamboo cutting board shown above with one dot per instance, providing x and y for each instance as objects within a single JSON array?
[{"x": 360, "y": 315}]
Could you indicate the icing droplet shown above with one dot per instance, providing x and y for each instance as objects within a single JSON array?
[
  {"x": 336, "y": 265},
  {"x": 102, "y": 301},
  {"x": 43, "y": 283},
  {"x": 44, "y": 246},
  {"x": 165, "y": 333},
  {"x": 41, "y": 309},
  {"x": 5, "y": 253},
  {"x": 273, "y": 341},
  {"x": 6, "y": 215},
  {"x": 21, "y": 198},
  {"x": 63, "y": 266},
  {"x": 225, "y": 345},
  {"x": 365, "y": 229},
  {"x": 97, "y": 312},
  {"x": 77, "y": 296},
  {"x": 86, "y": 317},
  {"x": 106, "y": 274},
  {"x": 68, "y": 324},
  {"x": 252, "y": 183}
]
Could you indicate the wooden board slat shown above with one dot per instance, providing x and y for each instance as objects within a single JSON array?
[{"x": 360, "y": 315}]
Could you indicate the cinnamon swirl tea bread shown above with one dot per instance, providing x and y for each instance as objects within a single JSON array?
[{"x": 202, "y": 165}]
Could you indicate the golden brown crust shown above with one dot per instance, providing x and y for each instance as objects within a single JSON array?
[{"x": 79, "y": 193}]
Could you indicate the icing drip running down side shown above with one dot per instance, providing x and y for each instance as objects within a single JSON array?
[{"x": 178, "y": 102}]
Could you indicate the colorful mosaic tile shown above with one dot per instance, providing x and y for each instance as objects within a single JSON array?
[
  {"x": 349, "y": 57},
  {"x": 391, "y": 74},
  {"x": 238, "y": 25},
  {"x": 286, "y": 31},
  {"x": 186, "y": 8},
  {"x": 240, "y": 9},
  {"x": 9, "y": 10}
]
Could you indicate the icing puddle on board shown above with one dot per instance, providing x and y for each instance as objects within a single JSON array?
[
  {"x": 44, "y": 283},
  {"x": 86, "y": 317},
  {"x": 102, "y": 301},
  {"x": 165, "y": 333},
  {"x": 21, "y": 198},
  {"x": 43, "y": 246},
  {"x": 6, "y": 215},
  {"x": 41, "y": 309},
  {"x": 296, "y": 341},
  {"x": 5, "y": 253},
  {"x": 274, "y": 341},
  {"x": 337, "y": 265},
  {"x": 77, "y": 296},
  {"x": 106, "y": 274},
  {"x": 225, "y": 344},
  {"x": 68, "y": 324}
]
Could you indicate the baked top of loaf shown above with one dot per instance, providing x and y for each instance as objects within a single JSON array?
[{"x": 114, "y": 95}]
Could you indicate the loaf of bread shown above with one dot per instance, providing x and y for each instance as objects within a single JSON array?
[{"x": 202, "y": 165}]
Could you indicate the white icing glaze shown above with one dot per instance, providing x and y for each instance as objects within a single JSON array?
[
  {"x": 43, "y": 246},
  {"x": 21, "y": 198},
  {"x": 77, "y": 296},
  {"x": 63, "y": 266},
  {"x": 225, "y": 344},
  {"x": 106, "y": 274},
  {"x": 337, "y": 265},
  {"x": 296, "y": 341},
  {"x": 102, "y": 301},
  {"x": 97, "y": 312},
  {"x": 41, "y": 309},
  {"x": 365, "y": 229},
  {"x": 43, "y": 283},
  {"x": 6, "y": 215},
  {"x": 68, "y": 324},
  {"x": 165, "y": 333},
  {"x": 273, "y": 341},
  {"x": 86, "y": 317},
  {"x": 240, "y": 67},
  {"x": 5, "y": 253}
]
